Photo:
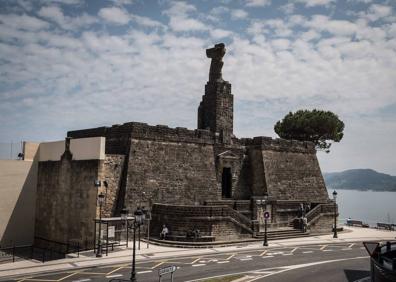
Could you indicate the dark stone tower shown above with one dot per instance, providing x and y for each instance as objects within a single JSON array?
[{"x": 215, "y": 112}]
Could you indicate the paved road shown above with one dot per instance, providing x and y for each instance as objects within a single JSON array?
[{"x": 333, "y": 262}]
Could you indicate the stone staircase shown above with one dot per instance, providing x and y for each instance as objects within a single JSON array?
[{"x": 282, "y": 233}]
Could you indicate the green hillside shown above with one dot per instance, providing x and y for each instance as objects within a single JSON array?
[{"x": 360, "y": 179}]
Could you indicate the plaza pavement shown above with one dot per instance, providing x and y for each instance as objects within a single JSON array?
[{"x": 123, "y": 255}]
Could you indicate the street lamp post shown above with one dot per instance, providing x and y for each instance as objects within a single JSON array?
[
  {"x": 100, "y": 201},
  {"x": 265, "y": 243},
  {"x": 335, "y": 213},
  {"x": 261, "y": 203},
  {"x": 136, "y": 224}
]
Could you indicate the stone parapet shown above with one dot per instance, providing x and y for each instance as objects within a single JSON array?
[
  {"x": 116, "y": 133},
  {"x": 278, "y": 144}
]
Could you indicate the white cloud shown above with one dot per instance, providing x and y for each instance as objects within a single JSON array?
[
  {"x": 376, "y": 12},
  {"x": 287, "y": 8},
  {"x": 220, "y": 33},
  {"x": 238, "y": 14},
  {"x": 314, "y": 3},
  {"x": 114, "y": 15},
  {"x": 23, "y": 22},
  {"x": 257, "y": 3},
  {"x": 55, "y": 14},
  {"x": 180, "y": 19}
]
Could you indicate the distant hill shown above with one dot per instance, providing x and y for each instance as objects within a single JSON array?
[{"x": 360, "y": 179}]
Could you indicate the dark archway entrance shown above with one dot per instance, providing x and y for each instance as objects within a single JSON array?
[{"x": 226, "y": 183}]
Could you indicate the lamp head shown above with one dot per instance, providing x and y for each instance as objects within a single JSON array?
[
  {"x": 266, "y": 196},
  {"x": 101, "y": 197},
  {"x": 335, "y": 195},
  {"x": 138, "y": 216},
  {"x": 124, "y": 214}
]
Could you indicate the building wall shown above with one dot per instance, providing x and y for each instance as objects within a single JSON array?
[
  {"x": 170, "y": 172},
  {"x": 66, "y": 199},
  {"x": 81, "y": 149},
  {"x": 17, "y": 202}
]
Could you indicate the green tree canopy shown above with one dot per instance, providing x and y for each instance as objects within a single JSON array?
[{"x": 320, "y": 127}]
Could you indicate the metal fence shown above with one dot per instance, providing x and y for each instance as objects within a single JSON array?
[{"x": 10, "y": 150}]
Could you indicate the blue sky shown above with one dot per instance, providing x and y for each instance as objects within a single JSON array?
[{"x": 74, "y": 64}]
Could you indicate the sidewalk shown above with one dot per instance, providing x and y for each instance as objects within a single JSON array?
[{"x": 88, "y": 259}]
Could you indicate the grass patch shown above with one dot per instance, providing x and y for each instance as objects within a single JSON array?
[{"x": 229, "y": 278}]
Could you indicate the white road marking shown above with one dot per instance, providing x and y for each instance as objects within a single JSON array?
[
  {"x": 226, "y": 261},
  {"x": 268, "y": 256},
  {"x": 82, "y": 280},
  {"x": 346, "y": 249},
  {"x": 327, "y": 250},
  {"x": 146, "y": 271},
  {"x": 287, "y": 254},
  {"x": 199, "y": 264},
  {"x": 307, "y": 252},
  {"x": 243, "y": 259},
  {"x": 281, "y": 269},
  {"x": 114, "y": 276}
]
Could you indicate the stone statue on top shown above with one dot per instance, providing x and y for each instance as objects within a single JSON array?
[{"x": 216, "y": 54}]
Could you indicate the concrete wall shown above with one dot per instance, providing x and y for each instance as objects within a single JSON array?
[
  {"x": 17, "y": 202},
  {"x": 82, "y": 149}
]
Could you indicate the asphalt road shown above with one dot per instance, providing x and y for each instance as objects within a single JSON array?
[{"x": 333, "y": 262}]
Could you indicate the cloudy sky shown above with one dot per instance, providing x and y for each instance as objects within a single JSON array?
[{"x": 74, "y": 64}]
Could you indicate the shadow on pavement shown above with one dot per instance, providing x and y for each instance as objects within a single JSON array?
[{"x": 353, "y": 275}]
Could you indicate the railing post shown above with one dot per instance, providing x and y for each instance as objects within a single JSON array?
[
  {"x": 78, "y": 249},
  {"x": 13, "y": 252}
]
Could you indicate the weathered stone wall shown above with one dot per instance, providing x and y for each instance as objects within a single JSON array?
[
  {"x": 66, "y": 199},
  {"x": 215, "y": 112},
  {"x": 234, "y": 157},
  {"x": 170, "y": 172},
  {"x": 221, "y": 222},
  {"x": 112, "y": 173},
  {"x": 324, "y": 224},
  {"x": 290, "y": 170}
]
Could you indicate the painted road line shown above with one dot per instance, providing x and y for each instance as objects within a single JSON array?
[
  {"x": 277, "y": 270},
  {"x": 346, "y": 249},
  {"x": 194, "y": 261},
  {"x": 248, "y": 256},
  {"x": 292, "y": 251},
  {"x": 327, "y": 250},
  {"x": 82, "y": 280},
  {"x": 114, "y": 276},
  {"x": 287, "y": 254},
  {"x": 231, "y": 256},
  {"x": 351, "y": 245},
  {"x": 70, "y": 275},
  {"x": 323, "y": 247},
  {"x": 114, "y": 270},
  {"x": 158, "y": 264},
  {"x": 199, "y": 264},
  {"x": 308, "y": 252},
  {"x": 263, "y": 253},
  {"x": 243, "y": 259},
  {"x": 226, "y": 261},
  {"x": 146, "y": 271},
  {"x": 268, "y": 256}
]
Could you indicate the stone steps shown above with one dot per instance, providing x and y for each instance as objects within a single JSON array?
[{"x": 286, "y": 233}]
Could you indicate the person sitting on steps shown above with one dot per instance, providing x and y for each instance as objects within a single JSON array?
[{"x": 164, "y": 232}]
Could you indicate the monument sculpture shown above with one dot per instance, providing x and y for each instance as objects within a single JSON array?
[
  {"x": 216, "y": 54},
  {"x": 207, "y": 178}
]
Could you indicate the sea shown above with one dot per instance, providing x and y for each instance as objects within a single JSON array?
[{"x": 368, "y": 206}]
